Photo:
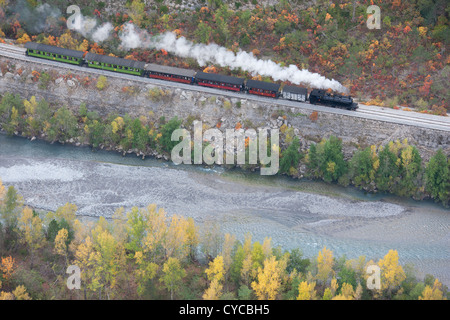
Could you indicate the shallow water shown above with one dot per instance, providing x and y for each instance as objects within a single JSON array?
[{"x": 304, "y": 214}]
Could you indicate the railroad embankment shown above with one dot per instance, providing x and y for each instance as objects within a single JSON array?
[{"x": 120, "y": 96}]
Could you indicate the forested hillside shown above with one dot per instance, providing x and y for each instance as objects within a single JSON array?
[
  {"x": 406, "y": 62},
  {"x": 147, "y": 254}
]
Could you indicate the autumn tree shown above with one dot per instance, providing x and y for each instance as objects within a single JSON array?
[
  {"x": 227, "y": 250},
  {"x": 215, "y": 273},
  {"x": 108, "y": 261},
  {"x": 306, "y": 291},
  {"x": 173, "y": 274},
  {"x": 7, "y": 268},
  {"x": 392, "y": 273},
  {"x": 325, "y": 264},
  {"x": 347, "y": 293},
  {"x": 61, "y": 247},
  {"x": 102, "y": 82},
  {"x": 269, "y": 279},
  {"x": 84, "y": 255},
  {"x": 31, "y": 227},
  {"x": 433, "y": 293},
  {"x": 67, "y": 41}
]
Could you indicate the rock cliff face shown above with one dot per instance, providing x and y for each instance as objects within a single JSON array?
[{"x": 137, "y": 98}]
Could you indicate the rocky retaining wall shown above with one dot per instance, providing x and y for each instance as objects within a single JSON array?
[{"x": 136, "y": 99}]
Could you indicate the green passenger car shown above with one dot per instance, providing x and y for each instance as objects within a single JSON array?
[
  {"x": 54, "y": 53},
  {"x": 103, "y": 62}
]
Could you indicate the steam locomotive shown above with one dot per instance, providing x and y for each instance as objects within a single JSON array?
[{"x": 141, "y": 69}]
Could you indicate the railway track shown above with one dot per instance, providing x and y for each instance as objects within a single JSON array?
[
  {"x": 438, "y": 122},
  {"x": 12, "y": 49},
  {"x": 375, "y": 113}
]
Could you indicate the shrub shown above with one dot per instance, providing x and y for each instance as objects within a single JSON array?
[{"x": 102, "y": 82}]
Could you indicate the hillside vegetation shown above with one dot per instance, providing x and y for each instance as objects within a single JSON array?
[{"x": 406, "y": 62}]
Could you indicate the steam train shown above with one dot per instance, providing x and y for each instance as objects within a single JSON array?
[{"x": 141, "y": 69}]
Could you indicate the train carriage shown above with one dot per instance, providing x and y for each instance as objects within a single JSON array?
[
  {"x": 169, "y": 73},
  {"x": 115, "y": 64},
  {"x": 44, "y": 51},
  {"x": 219, "y": 81},
  {"x": 294, "y": 93},
  {"x": 139, "y": 68},
  {"x": 263, "y": 88}
]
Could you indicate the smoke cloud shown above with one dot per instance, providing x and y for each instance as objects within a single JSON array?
[
  {"x": 133, "y": 37},
  {"x": 36, "y": 20},
  {"x": 103, "y": 32}
]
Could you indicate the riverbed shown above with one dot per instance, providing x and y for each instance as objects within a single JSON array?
[{"x": 295, "y": 214}]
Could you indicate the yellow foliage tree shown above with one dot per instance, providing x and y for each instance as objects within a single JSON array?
[
  {"x": 61, "y": 243},
  {"x": 7, "y": 267},
  {"x": 20, "y": 293},
  {"x": 215, "y": 274},
  {"x": 67, "y": 41},
  {"x": 175, "y": 244},
  {"x": 31, "y": 227},
  {"x": 306, "y": 291},
  {"x": 269, "y": 280},
  {"x": 347, "y": 292},
  {"x": 84, "y": 46},
  {"x": 324, "y": 264},
  {"x": 24, "y": 39},
  {"x": 433, "y": 293},
  {"x": 102, "y": 82},
  {"x": 392, "y": 273},
  {"x": 214, "y": 291},
  {"x": 30, "y": 105}
]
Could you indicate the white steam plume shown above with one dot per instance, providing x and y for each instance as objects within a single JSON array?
[
  {"x": 102, "y": 33},
  {"x": 132, "y": 38},
  {"x": 87, "y": 26}
]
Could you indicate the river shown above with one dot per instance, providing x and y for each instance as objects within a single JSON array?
[{"x": 295, "y": 214}]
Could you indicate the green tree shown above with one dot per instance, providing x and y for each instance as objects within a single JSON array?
[
  {"x": 64, "y": 125},
  {"x": 332, "y": 162},
  {"x": 290, "y": 157},
  {"x": 173, "y": 274},
  {"x": 166, "y": 139},
  {"x": 136, "y": 10},
  {"x": 410, "y": 170},
  {"x": 361, "y": 168},
  {"x": 437, "y": 175},
  {"x": 203, "y": 32},
  {"x": 387, "y": 173}
]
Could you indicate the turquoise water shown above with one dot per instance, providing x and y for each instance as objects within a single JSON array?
[{"x": 304, "y": 214}]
